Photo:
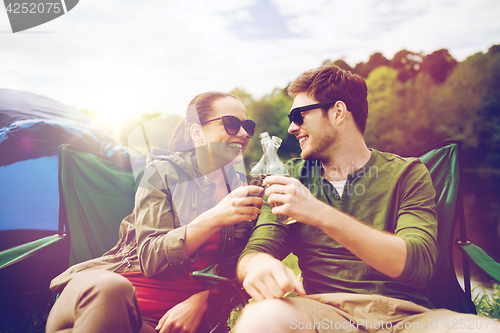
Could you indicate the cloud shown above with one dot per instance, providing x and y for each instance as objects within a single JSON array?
[{"x": 126, "y": 57}]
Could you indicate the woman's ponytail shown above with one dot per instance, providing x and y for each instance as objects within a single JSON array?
[
  {"x": 181, "y": 139},
  {"x": 199, "y": 110}
]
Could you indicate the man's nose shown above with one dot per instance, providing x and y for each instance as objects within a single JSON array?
[{"x": 293, "y": 128}]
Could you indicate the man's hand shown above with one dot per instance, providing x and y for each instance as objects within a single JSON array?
[
  {"x": 293, "y": 199},
  {"x": 383, "y": 251},
  {"x": 265, "y": 277},
  {"x": 186, "y": 316}
]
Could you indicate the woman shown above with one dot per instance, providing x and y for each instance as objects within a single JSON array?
[{"x": 190, "y": 209}]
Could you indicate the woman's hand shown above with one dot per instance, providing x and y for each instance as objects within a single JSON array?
[
  {"x": 186, "y": 316},
  {"x": 242, "y": 204},
  {"x": 236, "y": 207}
]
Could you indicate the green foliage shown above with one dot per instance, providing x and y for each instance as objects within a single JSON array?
[
  {"x": 386, "y": 99},
  {"x": 340, "y": 62},
  {"x": 376, "y": 60},
  {"x": 488, "y": 305},
  {"x": 407, "y": 64},
  {"x": 414, "y": 101},
  {"x": 439, "y": 65},
  {"x": 291, "y": 262},
  {"x": 243, "y": 96},
  {"x": 407, "y": 117},
  {"x": 270, "y": 114},
  {"x": 469, "y": 103}
]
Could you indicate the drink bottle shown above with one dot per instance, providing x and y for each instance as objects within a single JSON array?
[
  {"x": 269, "y": 164},
  {"x": 259, "y": 171},
  {"x": 276, "y": 167}
]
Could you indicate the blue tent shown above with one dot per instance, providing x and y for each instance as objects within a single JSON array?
[{"x": 32, "y": 127}]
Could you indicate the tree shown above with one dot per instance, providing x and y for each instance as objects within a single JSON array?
[
  {"x": 270, "y": 115},
  {"x": 376, "y": 60},
  {"x": 439, "y": 65},
  {"x": 407, "y": 64},
  {"x": 469, "y": 107},
  {"x": 386, "y": 127},
  {"x": 243, "y": 96},
  {"x": 339, "y": 62}
]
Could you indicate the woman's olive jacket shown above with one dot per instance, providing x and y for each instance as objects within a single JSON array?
[{"x": 172, "y": 193}]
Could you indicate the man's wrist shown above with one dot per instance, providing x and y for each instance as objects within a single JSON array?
[
  {"x": 241, "y": 270},
  {"x": 324, "y": 216}
]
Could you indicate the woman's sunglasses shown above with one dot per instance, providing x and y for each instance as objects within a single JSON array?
[
  {"x": 232, "y": 125},
  {"x": 296, "y": 114}
]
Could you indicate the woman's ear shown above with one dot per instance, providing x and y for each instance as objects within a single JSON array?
[{"x": 197, "y": 135}]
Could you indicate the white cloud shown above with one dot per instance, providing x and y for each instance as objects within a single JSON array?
[{"x": 134, "y": 57}]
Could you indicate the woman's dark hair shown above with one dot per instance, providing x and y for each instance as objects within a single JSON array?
[{"x": 198, "y": 111}]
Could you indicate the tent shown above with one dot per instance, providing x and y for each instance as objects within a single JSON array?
[{"x": 32, "y": 127}]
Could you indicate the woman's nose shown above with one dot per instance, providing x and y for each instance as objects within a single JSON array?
[{"x": 242, "y": 133}]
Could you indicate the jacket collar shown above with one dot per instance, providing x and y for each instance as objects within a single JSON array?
[{"x": 186, "y": 162}]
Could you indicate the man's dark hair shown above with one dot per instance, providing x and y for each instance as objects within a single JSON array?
[{"x": 332, "y": 83}]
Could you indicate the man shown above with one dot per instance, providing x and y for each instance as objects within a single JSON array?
[{"x": 366, "y": 232}]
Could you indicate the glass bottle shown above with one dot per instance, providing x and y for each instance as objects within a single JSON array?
[
  {"x": 274, "y": 166},
  {"x": 259, "y": 171},
  {"x": 269, "y": 164}
]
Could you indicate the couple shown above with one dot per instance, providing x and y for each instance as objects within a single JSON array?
[{"x": 365, "y": 254}]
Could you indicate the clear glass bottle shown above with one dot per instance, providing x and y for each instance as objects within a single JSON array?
[
  {"x": 259, "y": 171},
  {"x": 274, "y": 166}
]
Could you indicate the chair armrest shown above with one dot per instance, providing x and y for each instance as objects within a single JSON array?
[
  {"x": 208, "y": 275},
  {"x": 20, "y": 252},
  {"x": 221, "y": 275},
  {"x": 480, "y": 259}
]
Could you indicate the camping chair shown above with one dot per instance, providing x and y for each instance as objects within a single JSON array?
[
  {"x": 97, "y": 192},
  {"x": 443, "y": 163}
]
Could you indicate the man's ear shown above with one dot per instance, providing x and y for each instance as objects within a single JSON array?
[
  {"x": 197, "y": 135},
  {"x": 338, "y": 112}
]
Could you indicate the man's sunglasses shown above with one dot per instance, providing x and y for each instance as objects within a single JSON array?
[
  {"x": 232, "y": 125},
  {"x": 296, "y": 114}
]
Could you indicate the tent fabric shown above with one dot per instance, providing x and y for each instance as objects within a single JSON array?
[
  {"x": 30, "y": 194},
  {"x": 33, "y": 138},
  {"x": 32, "y": 126},
  {"x": 18, "y": 105},
  {"x": 96, "y": 192}
]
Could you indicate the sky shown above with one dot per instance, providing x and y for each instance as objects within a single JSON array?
[{"x": 124, "y": 58}]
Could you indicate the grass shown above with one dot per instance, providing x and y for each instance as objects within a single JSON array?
[{"x": 487, "y": 305}]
